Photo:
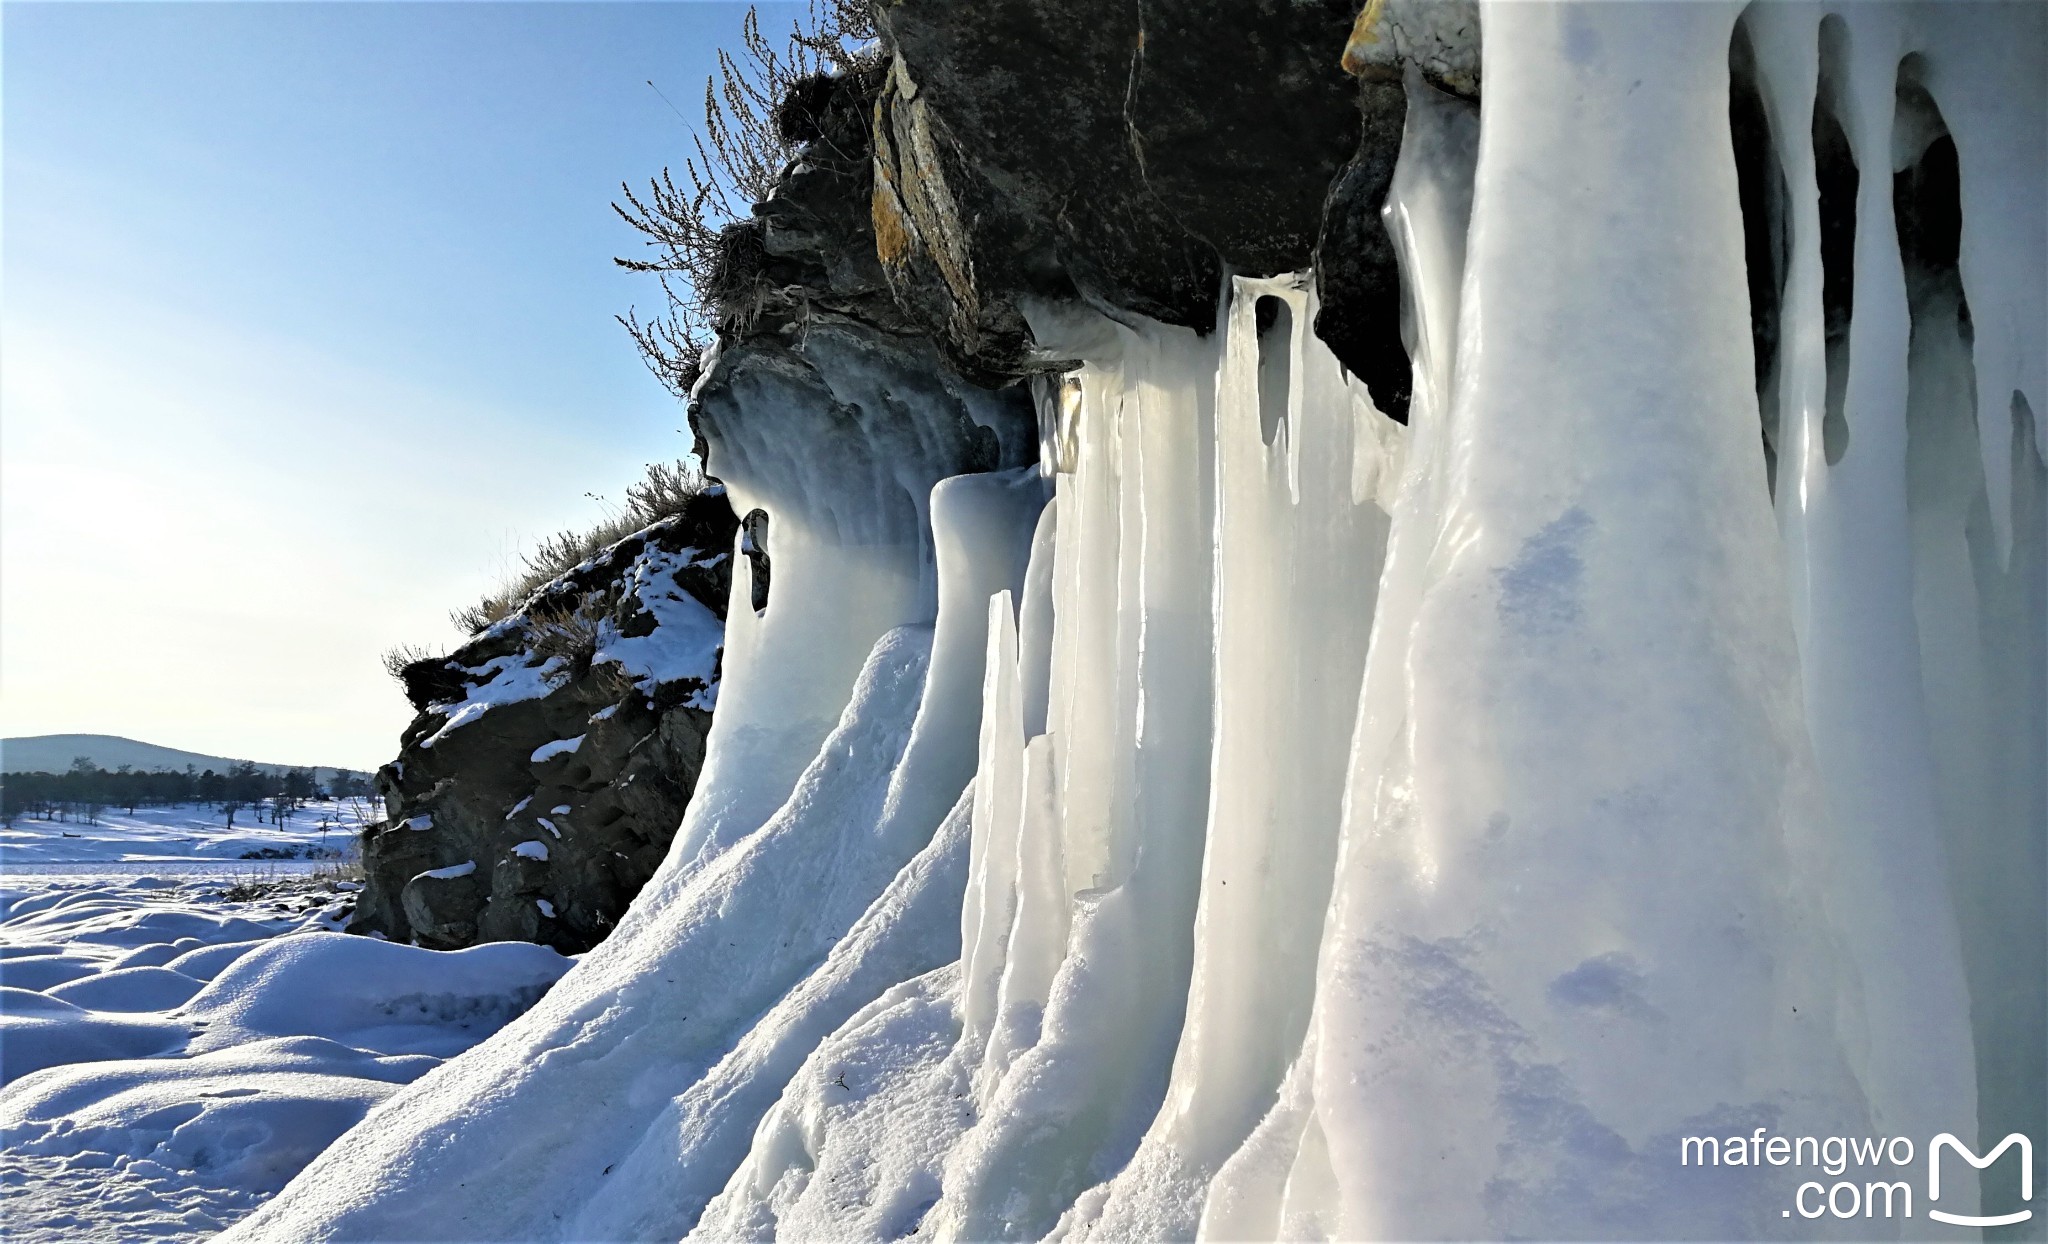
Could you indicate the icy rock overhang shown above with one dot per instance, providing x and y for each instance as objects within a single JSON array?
[
  {"x": 1299, "y": 825},
  {"x": 1127, "y": 157},
  {"x": 1124, "y": 156}
]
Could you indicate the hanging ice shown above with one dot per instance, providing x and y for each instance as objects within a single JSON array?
[{"x": 1305, "y": 826}]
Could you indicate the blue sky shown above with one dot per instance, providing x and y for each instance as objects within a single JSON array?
[{"x": 305, "y": 313}]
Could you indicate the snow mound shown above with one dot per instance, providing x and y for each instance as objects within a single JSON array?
[
  {"x": 371, "y": 994},
  {"x": 139, "y": 1148},
  {"x": 39, "y": 1031},
  {"x": 130, "y": 989},
  {"x": 856, "y": 1147}
]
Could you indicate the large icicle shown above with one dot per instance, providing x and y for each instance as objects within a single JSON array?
[
  {"x": 1913, "y": 551},
  {"x": 1279, "y": 1184},
  {"x": 1297, "y": 561},
  {"x": 1129, "y": 714},
  {"x": 1851, "y": 549},
  {"x": 1575, "y": 915}
]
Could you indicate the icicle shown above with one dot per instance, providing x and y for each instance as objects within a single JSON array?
[
  {"x": 991, "y": 904},
  {"x": 1034, "y": 624},
  {"x": 1297, "y": 562},
  {"x": 1859, "y": 648},
  {"x": 1985, "y": 72},
  {"x": 1899, "y": 546},
  {"x": 1038, "y": 937},
  {"x": 1129, "y": 744}
]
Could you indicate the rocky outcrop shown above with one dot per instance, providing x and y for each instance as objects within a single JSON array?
[
  {"x": 547, "y": 770},
  {"x": 1128, "y": 155},
  {"x": 1122, "y": 154}
]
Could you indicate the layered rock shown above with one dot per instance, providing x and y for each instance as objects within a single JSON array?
[{"x": 543, "y": 779}]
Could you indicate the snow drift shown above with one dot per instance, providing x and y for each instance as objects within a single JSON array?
[{"x": 1267, "y": 820}]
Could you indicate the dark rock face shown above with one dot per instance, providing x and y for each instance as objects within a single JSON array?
[
  {"x": 547, "y": 771},
  {"x": 1125, "y": 155},
  {"x": 1240, "y": 113},
  {"x": 815, "y": 247},
  {"x": 1128, "y": 155},
  {"x": 1357, "y": 274}
]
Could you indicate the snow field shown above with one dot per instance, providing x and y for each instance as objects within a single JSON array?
[
  {"x": 171, "y": 1057},
  {"x": 321, "y": 829}
]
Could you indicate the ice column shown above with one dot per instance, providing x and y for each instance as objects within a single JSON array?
[
  {"x": 1076, "y": 1062},
  {"x": 1575, "y": 916},
  {"x": 1297, "y": 558}
]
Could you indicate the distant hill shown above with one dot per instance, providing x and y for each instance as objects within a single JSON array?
[{"x": 53, "y": 753}]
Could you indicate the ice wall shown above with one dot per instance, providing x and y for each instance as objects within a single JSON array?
[
  {"x": 1917, "y": 553},
  {"x": 1303, "y": 826}
]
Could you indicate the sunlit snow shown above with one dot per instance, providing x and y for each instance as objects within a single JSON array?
[{"x": 176, "y": 1047}]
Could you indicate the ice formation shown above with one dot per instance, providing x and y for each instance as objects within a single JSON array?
[{"x": 1264, "y": 820}]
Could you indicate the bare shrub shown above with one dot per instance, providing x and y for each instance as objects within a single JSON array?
[
  {"x": 476, "y": 619},
  {"x": 698, "y": 230},
  {"x": 664, "y": 491},
  {"x": 567, "y": 634},
  {"x": 348, "y": 868},
  {"x": 396, "y": 659}
]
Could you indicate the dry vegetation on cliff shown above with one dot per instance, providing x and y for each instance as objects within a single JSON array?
[
  {"x": 751, "y": 130},
  {"x": 664, "y": 491}
]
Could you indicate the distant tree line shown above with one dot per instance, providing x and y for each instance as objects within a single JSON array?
[{"x": 86, "y": 790}]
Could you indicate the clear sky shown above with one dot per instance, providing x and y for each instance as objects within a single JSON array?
[{"x": 305, "y": 330}]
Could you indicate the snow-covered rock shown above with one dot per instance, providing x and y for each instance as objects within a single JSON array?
[{"x": 592, "y": 700}]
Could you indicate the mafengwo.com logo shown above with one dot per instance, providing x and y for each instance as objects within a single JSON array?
[{"x": 1862, "y": 1196}]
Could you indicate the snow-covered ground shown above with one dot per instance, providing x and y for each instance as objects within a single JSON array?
[
  {"x": 182, "y": 1030},
  {"x": 322, "y": 829}
]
